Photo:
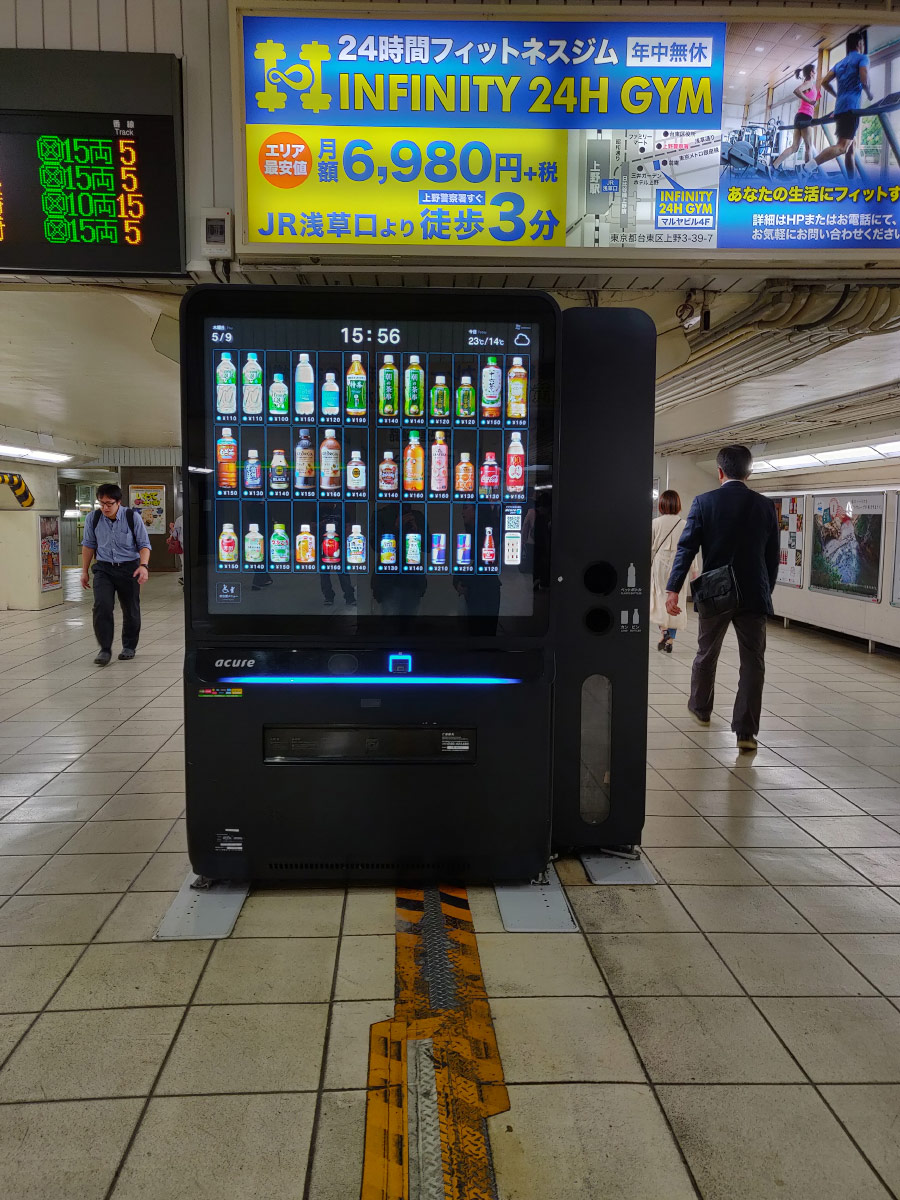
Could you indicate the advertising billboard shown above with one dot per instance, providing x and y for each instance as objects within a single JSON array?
[
  {"x": 846, "y": 544},
  {"x": 514, "y": 134},
  {"x": 791, "y": 511}
]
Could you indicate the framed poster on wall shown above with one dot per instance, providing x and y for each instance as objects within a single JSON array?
[
  {"x": 149, "y": 500},
  {"x": 51, "y": 565},
  {"x": 847, "y": 544},
  {"x": 895, "y": 590},
  {"x": 791, "y": 511}
]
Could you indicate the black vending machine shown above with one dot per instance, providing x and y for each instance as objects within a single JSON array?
[{"x": 375, "y": 605}]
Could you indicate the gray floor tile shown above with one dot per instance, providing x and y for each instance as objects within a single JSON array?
[
  {"x": 788, "y": 865},
  {"x": 741, "y": 910},
  {"x": 703, "y": 865},
  {"x": 789, "y": 964},
  {"x": 56, "y": 808},
  {"x": 268, "y": 971},
  {"x": 839, "y": 1039},
  {"x": 870, "y": 1115},
  {"x": 757, "y": 1143},
  {"x": 69, "y": 873},
  {"x": 589, "y": 1042},
  {"x": 347, "y": 1060},
  {"x": 661, "y": 964},
  {"x": 877, "y": 955},
  {"x": 729, "y": 804},
  {"x": 679, "y": 831},
  {"x": 53, "y": 920},
  {"x": 761, "y": 831},
  {"x": 846, "y": 909},
  {"x": 130, "y": 975},
  {"x": 706, "y": 1039},
  {"x": 880, "y": 866},
  {"x": 849, "y": 831},
  {"x": 17, "y": 869},
  {"x": 538, "y": 964},
  {"x": 810, "y": 802},
  {"x": 623, "y": 909},
  {"x": 338, "y": 1152}
]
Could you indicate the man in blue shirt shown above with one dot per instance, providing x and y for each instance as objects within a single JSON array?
[
  {"x": 118, "y": 539},
  {"x": 852, "y": 76}
]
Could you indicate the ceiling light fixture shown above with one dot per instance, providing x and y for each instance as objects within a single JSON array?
[
  {"x": 42, "y": 456},
  {"x": 794, "y": 461},
  {"x": 851, "y": 454},
  {"x": 889, "y": 449}
]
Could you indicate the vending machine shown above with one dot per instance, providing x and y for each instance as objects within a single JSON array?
[{"x": 374, "y": 589}]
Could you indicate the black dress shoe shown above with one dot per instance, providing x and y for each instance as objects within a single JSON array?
[
  {"x": 102, "y": 658},
  {"x": 126, "y": 653}
]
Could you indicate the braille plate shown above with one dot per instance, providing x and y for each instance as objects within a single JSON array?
[{"x": 535, "y": 907}]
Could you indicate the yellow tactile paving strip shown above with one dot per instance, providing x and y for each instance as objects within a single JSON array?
[{"x": 441, "y": 1004}]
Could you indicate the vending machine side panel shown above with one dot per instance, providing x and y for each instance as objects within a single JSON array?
[{"x": 601, "y": 575}]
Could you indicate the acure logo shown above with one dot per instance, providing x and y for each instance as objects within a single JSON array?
[{"x": 235, "y": 662}]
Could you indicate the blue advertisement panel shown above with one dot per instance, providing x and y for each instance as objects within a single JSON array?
[{"x": 477, "y": 74}]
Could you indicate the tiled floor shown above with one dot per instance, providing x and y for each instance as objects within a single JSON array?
[{"x": 733, "y": 1033}]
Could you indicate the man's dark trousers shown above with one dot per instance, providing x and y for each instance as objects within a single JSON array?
[
  {"x": 111, "y": 581},
  {"x": 750, "y": 628}
]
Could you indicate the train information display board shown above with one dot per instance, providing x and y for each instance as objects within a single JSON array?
[
  {"x": 89, "y": 193},
  {"x": 372, "y": 467}
]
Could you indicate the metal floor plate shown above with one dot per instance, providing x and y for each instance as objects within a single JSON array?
[
  {"x": 610, "y": 868},
  {"x": 535, "y": 907},
  {"x": 202, "y": 914}
]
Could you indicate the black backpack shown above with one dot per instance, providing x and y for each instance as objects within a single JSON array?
[{"x": 129, "y": 517}]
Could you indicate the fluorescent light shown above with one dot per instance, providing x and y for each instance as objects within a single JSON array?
[
  {"x": 852, "y": 454},
  {"x": 889, "y": 449},
  {"x": 759, "y": 465},
  {"x": 46, "y": 456},
  {"x": 72, "y": 514},
  {"x": 798, "y": 460},
  {"x": 201, "y": 470}
]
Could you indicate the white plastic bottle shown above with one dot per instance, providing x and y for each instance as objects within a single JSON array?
[
  {"x": 251, "y": 389},
  {"x": 279, "y": 398},
  {"x": 304, "y": 388},
  {"x": 356, "y": 546},
  {"x": 356, "y": 472},
  {"x": 226, "y": 385},
  {"x": 254, "y": 545},
  {"x": 331, "y": 397}
]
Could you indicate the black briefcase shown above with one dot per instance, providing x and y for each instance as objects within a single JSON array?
[{"x": 715, "y": 593}]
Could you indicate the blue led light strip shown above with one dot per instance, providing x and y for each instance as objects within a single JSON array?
[{"x": 388, "y": 680}]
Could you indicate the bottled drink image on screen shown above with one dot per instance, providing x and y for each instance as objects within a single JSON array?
[
  {"x": 356, "y": 388},
  {"x": 254, "y": 545},
  {"x": 251, "y": 386},
  {"x": 331, "y": 398},
  {"x": 330, "y": 461},
  {"x": 388, "y": 473},
  {"x": 388, "y": 388},
  {"x": 226, "y": 460},
  {"x": 464, "y": 477},
  {"x": 305, "y": 550},
  {"x": 414, "y": 465},
  {"x": 489, "y": 477},
  {"x": 356, "y": 546},
  {"x": 253, "y": 475},
  {"x": 279, "y": 545},
  {"x": 515, "y": 465},
  {"x": 440, "y": 463},
  {"x": 228, "y": 547},
  {"x": 356, "y": 472},
  {"x": 304, "y": 461},
  {"x": 331, "y": 547},
  {"x": 388, "y": 549},
  {"x": 279, "y": 403},
  {"x": 465, "y": 398},
  {"x": 414, "y": 388},
  {"x": 440, "y": 397},
  {"x": 517, "y": 391},
  {"x": 226, "y": 385},
  {"x": 491, "y": 389},
  {"x": 414, "y": 549},
  {"x": 488, "y": 549},
  {"x": 279, "y": 478},
  {"x": 304, "y": 388}
]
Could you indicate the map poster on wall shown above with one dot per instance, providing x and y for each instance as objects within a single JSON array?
[
  {"x": 846, "y": 544},
  {"x": 895, "y": 591},
  {"x": 790, "y": 511},
  {"x": 51, "y": 568},
  {"x": 149, "y": 500}
]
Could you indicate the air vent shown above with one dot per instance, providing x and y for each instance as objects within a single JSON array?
[{"x": 450, "y": 867}]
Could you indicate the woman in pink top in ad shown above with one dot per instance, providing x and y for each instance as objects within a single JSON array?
[{"x": 808, "y": 94}]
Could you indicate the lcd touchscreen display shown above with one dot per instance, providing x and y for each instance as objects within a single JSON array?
[{"x": 373, "y": 468}]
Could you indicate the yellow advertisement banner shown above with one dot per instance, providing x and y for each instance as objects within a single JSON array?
[{"x": 331, "y": 186}]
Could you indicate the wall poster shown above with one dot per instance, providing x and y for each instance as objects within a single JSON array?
[
  {"x": 51, "y": 565},
  {"x": 846, "y": 544},
  {"x": 517, "y": 133},
  {"x": 149, "y": 499},
  {"x": 791, "y": 510}
]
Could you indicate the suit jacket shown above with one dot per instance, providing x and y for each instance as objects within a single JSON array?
[{"x": 733, "y": 525}]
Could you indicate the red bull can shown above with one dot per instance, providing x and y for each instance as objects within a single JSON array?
[
  {"x": 464, "y": 549},
  {"x": 439, "y": 549}
]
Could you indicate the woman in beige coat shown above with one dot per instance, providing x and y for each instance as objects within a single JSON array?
[{"x": 667, "y": 529}]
